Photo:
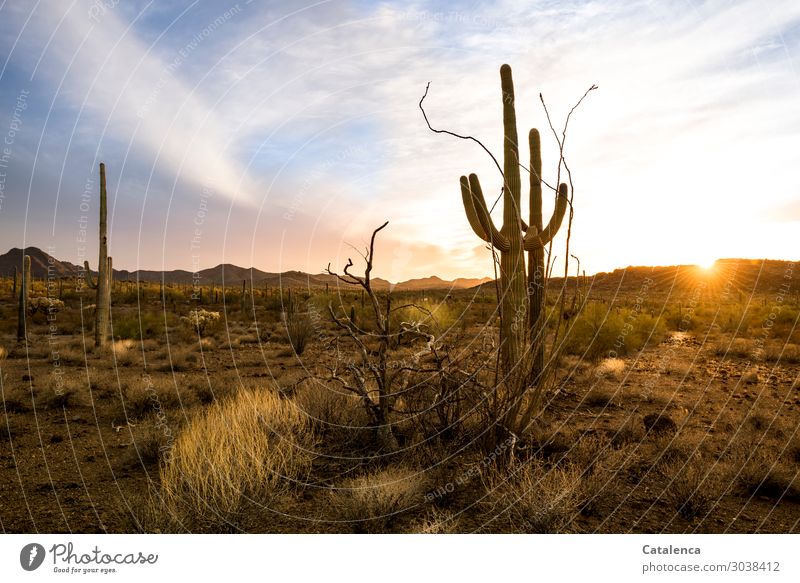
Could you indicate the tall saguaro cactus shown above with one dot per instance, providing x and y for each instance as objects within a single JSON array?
[
  {"x": 521, "y": 312},
  {"x": 508, "y": 239},
  {"x": 104, "y": 272},
  {"x": 24, "y": 290}
]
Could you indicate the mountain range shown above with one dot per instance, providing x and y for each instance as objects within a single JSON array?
[{"x": 42, "y": 263}]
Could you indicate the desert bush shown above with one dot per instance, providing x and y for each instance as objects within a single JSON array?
[
  {"x": 602, "y": 332},
  {"x": 438, "y": 317},
  {"x": 328, "y": 409},
  {"x": 783, "y": 353},
  {"x": 375, "y": 501},
  {"x": 254, "y": 446},
  {"x": 611, "y": 368},
  {"x": 299, "y": 329},
  {"x": 126, "y": 352},
  {"x": 139, "y": 325}
]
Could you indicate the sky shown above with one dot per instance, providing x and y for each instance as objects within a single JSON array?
[{"x": 280, "y": 134}]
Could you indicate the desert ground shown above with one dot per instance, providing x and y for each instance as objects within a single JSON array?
[{"x": 674, "y": 407}]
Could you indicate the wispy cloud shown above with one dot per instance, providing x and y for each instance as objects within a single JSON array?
[{"x": 305, "y": 119}]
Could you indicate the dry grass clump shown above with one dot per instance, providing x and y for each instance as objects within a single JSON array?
[
  {"x": 693, "y": 486},
  {"x": 126, "y": 352},
  {"x": 178, "y": 359},
  {"x": 3, "y": 353},
  {"x": 760, "y": 472},
  {"x": 535, "y": 499},
  {"x": 15, "y": 400},
  {"x": 436, "y": 522},
  {"x": 751, "y": 377},
  {"x": 600, "y": 396},
  {"x": 738, "y": 347},
  {"x": 147, "y": 450},
  {"x": 74, "y": 354},
  {"x": 630, "y": 432},
  {"x": 252, "y": 447},
  {"x": 779, "y": 352},
  {"x": 373, "y": 502},
  {"x": 150, "y": 396},
  {"x": 611, "y": 368}
]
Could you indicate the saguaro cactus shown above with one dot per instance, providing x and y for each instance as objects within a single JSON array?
[
  {"x": 24, "y": 290},
  {"x": 14, "y": 290},
  {"x": 521, "y": 310},
  {"x": 536, "y": 238},
  {"x": 508, "y": 240},
  {"x": 104, "y": 272}
]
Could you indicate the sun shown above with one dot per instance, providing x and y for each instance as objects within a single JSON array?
[{"x": 707, "y": 264}]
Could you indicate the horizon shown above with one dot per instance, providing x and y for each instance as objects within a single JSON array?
[
  {"x": 709, "y": 267},
  {"x": 279, "y": 137}
]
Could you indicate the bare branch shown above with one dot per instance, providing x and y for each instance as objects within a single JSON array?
[{"x": 455, "y": 135}]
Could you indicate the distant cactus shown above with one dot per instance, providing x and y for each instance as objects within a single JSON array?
[
  {"x": 201, "y": 320},
  {"x": 14, "y": 290},
  {"x": 104, "y": 272},
  {"x": 23, "y": 298},
  {"x": 44, "y": 304}
]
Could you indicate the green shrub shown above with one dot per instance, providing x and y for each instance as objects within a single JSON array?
[{"x": 600, "y": 331}]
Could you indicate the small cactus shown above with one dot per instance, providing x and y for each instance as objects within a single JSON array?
[{"x": 23, "y": 298}]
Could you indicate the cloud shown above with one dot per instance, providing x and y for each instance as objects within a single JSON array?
[{"x": 311, "y": 112}]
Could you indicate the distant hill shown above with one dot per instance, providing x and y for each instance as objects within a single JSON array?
[
  {"x": 228, "y": 273},
  {"x": 40, "y": 263},
  {"x": 736, "y": 277}
]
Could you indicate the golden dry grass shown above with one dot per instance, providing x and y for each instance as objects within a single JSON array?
[{"x": 254, "y": 446}]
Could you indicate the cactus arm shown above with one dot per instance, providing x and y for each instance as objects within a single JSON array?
[
  {"x": 535, "y": 239},
  {"x": 469, "y": 208},
  {"x": 499, "y": 240},
  {"x": 89, "y": 281},
  {"x": 534, "y": 142}
]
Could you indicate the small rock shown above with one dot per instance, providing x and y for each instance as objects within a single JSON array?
[{"x": 662, "y": 423}]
